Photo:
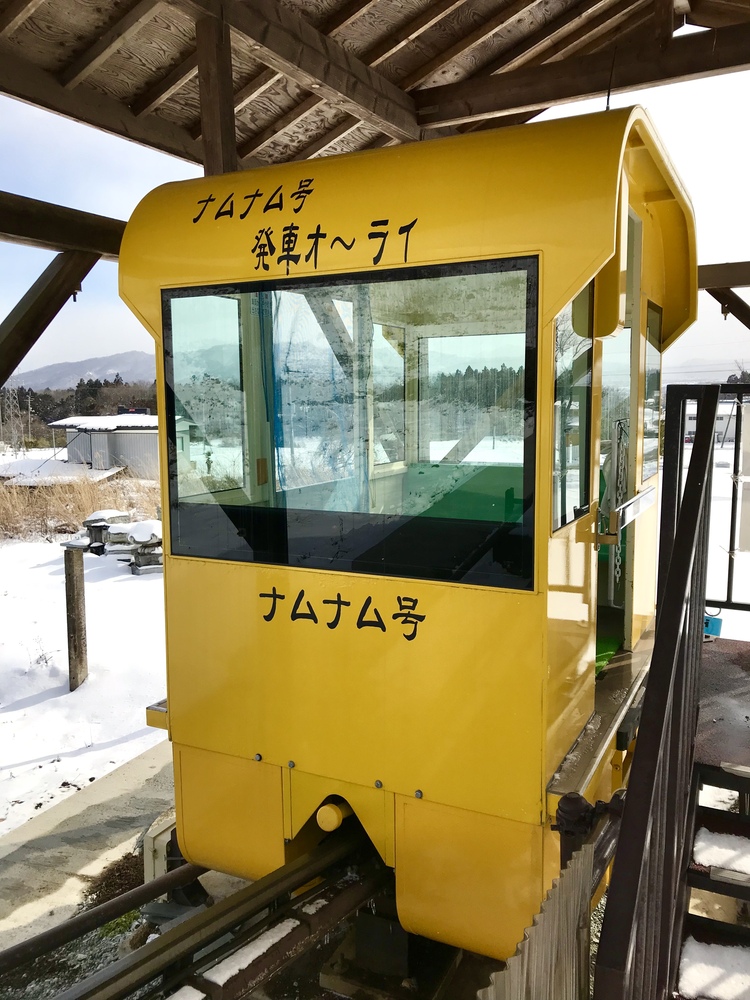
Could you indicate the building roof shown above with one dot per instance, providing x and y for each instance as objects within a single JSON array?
[{"x": 113, "y": 422}]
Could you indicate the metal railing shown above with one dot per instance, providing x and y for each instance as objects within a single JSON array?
[
  {"x": 739, "y": 394},
  {"x": 641, "y": 934}
]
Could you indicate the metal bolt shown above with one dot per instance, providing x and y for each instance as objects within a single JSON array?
[
  {"x": 418, "y": 794},
  {"x": 291, "y": 763},
  {"x": 259, "y": 756},
  {"x": 378, "y": 784}
]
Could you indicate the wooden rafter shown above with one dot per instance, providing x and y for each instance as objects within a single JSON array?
[
  {"x": 109, "y": 42},
  {"x": 373, "y": 57},
  {"x": 346, "y": 15},
  {"x": 45, "y": 226},
  {"x": 578, "y": 23},
  {"x": 628, "y": 19},
  {"x": 732, "y": 303},
  {"x": 687, "y": 58},
  {"x": 15, "y": 14},
  {"x": 184, "y": 71},
  {"x": 397, "y": 39},
  {"x": 346, "y": 127},
  {"x": 493, "y": 24},
  {"x": 663, "y": 21},
  {"x": 731, "y": 275},
  {"x": 215, "y": 83},
  {"x": 247, "y": 94},
  {"x": 21, "y": 79},
  {"x": 291, "y": 46},
  {"x": 262, "y": 139},
  {"x": 602, "y": 31},
  {"x": 169, "y": 84},
  {"x": 25, "y": 324},
  {"x": 717, "y": 13}
]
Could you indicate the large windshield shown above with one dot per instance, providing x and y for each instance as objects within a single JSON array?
[{"x": 380, "y": 424}]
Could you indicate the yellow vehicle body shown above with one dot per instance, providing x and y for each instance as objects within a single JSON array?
[{"x": 443, "y": 733}]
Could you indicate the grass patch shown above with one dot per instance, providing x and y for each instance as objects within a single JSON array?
[
  {"x": 121, "y": 876},
  {"x": 61, "y": 508},
  {"x": 120, "y": 925}
]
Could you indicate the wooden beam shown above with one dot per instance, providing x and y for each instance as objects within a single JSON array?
[
  {"x": 561, "y": 33},
  {"x": 25, "y": 324},
  {"x": 109, "y": 42},
  {"x": 489, "y": 27},
  {"x": 217, "y": 98},
  {"x": 294, "y": 115},
  {"x": 663, "y": 21},
  {"x": 45, "y": 226},
  {"x": 717, "y": 13},
  {"x": 20, "y": 79},
  {"x": 15, "y": 13},
  {"x": 376, "y": 55},
  {"x": 346, "y": 15},
  {"x": 287, "y": 43},
  {"x": 254, "y": 88},
  {"x": 691, "y": 57},
  {"x": 177, "y": 77},
  {"x": 400, "y": 37},
  {"x": 730, "y": 303},
  {"x": 346, "y": 127},
  {"x": 734, "y": 275},
  {"x": 543, "y": 46}
]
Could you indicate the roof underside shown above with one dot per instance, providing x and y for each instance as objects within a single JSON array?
[{"x": 301, "y": 78}]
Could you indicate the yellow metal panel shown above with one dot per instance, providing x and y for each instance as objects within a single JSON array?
[
  {"x": 373, "y": 807},
  {"x": 541, "y": 180},
  {"x": 469, "y": 880},
  {"x": 156, "y": 718},
  {"x": 224, "y": 804},
  {"x": 644, "y": 542},
  {"x": 434, "y": 713},
  {"x": 571, "y": 648}
]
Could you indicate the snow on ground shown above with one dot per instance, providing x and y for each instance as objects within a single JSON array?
[
  {"x": 714, "y": 971},
  {"x": 53, "y": 741}
]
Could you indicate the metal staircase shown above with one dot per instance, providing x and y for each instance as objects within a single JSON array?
[{"x": 647, "y": 917}]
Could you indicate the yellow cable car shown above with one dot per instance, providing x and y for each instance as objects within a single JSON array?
[{"x": 400, "y": 389}]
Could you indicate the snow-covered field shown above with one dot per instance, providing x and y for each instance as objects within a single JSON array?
[{"x": 53, "y": 741}]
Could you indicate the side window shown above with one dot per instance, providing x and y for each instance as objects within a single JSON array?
[
  {"x": 572, "y": 419},
  {"x": 651, "y": 405}
]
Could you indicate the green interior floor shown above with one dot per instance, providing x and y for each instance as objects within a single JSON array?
[{"x": 606, "y": 647}]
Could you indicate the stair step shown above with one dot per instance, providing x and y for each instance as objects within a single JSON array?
[
  {"x": 725, "y": 775},
  {"x": 717, "y": 880},
  {"x": 708, "y": 931},
  {"x": 722, "y": 821},
  {"x": 714, "y": 971}
]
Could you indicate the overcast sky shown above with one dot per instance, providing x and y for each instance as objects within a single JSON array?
[{"x": 703, "y": 125}]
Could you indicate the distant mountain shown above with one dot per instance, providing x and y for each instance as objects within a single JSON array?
[{"x": 133, "y": 366}]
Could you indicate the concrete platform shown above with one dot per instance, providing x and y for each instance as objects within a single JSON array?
[
  {"x": 41, "y": 862},
  {"x": 723, "y": 733}
]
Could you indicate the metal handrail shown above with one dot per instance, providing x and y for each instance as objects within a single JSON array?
[{"x": 647, "y": 894}]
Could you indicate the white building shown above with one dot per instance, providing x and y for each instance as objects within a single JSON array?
[{"x": 125, "y": 440}]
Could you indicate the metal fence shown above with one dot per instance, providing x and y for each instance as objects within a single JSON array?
[
  {"x": 552, "y": 960},
  {"x": 641, "y": 934}
]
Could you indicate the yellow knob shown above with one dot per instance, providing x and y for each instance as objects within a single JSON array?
[{"x": 332, "y": 815}]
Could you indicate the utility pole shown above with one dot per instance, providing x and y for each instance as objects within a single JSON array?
[
  {"x": 13, "y": 418},
  {"x": 28, "y": 400}
]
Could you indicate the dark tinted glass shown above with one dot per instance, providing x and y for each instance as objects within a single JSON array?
[{"x": 375, "y": 424}]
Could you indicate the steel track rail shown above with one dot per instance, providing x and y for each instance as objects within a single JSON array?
[
  {"x": 97, "y": 916},
  {"x": 179, "y": 944},
  {"x": 285, "y": 936}
]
